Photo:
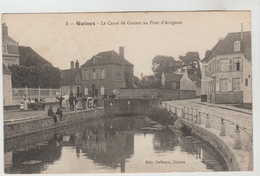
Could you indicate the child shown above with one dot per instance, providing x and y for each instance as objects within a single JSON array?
[{"x": 21, "y": 106}]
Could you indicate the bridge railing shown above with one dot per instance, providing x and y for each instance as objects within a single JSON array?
[{"x": 242, "y": 137}]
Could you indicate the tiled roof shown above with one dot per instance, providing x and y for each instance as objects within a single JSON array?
[
  {"x": 247, "y": 52},
  {"x": 6, "y": 70},
  {"x": 29, "y": 57},
  {"x": 226, "y": 46},
  {"x": 209, "y": 53},
  {"x": 68, "y": 76},
  {"x": 172, "y": 77},
  {"x": 107, "y": 57},
  {"x": 196, "y": 79}
]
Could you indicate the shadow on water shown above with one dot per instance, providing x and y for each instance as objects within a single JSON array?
[{"x": 108, "y": 143}]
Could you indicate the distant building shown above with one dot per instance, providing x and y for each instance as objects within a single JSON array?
[
  {"x": 181, "y": 81},
  {"x": 7, "y": 86},
  {"x": 9, "y": 48},
  {"x": 106, "y": 72},
  {"x": 190, "y": 81},
  {"x": 71, "y": 80},
  {"x": 227, "y": 70}
]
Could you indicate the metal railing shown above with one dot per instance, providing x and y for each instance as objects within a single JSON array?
[{"x": 225, "y": 126}]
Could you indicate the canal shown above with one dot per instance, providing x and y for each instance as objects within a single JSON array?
[{"x": 124, "y": 144}]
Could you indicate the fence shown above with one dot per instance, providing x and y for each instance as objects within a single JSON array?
[
  {"x": 48, "y": 94},
  {"x": 242, "y": 137}
]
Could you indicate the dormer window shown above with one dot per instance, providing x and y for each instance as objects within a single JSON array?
[{"x": 237, "y": 46}]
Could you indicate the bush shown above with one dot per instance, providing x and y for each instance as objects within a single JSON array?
[{"x": 162, "y": 116}]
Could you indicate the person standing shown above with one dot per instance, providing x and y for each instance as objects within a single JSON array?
[
  {"x": 71, "y": 102},
  {"x": 25, "y": 102},
  {"x": 59, "y": 112}
]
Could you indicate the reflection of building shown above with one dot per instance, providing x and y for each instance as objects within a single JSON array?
[
  {"x": 227, "y": 70},
  {"x": 71, "y": 80},
  {"x": 106, "y": 72},
  {"x": 164, "y": 141},
  {"x": 9, "y": 48}
]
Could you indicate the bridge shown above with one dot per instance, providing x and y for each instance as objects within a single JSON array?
[{"x": 231, "y": 141}]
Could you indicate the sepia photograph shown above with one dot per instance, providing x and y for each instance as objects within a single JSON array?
[{"x": 127, "y": 92}]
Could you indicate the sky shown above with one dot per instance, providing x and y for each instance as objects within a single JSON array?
[{"x": 59, "y": 43}]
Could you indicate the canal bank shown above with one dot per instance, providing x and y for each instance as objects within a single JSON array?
[{"x": 37, "y": 124}]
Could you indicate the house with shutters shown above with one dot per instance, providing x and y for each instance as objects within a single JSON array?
[
  {"x": 106, "y": 72},
  {"x": 227, "y": 70},
  {"x": 71, "y": 80}
]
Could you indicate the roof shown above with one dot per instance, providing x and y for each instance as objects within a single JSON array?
[
  {"x": 226, "y": 46},
  {"x": 209, "y": 53},
  {"x": 247, "y": 52},
  {"x": 195, "y": 78},
  {"x": 173, "y": 77},
  {"x": 29, "y": 57},
  {"x": 107, "y": 57},
  {"x": 6, "y": 70},
  {"x": 12, "y": 47},
  {"x": 68, "y": 76}
]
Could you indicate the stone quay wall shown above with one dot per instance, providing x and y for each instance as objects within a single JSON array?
[{"x": 44, "y": 123}]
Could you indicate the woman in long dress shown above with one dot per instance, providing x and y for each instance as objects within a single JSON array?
[
  {"x": 79, "y": 103},
  {"x": 25, "y": 103}
]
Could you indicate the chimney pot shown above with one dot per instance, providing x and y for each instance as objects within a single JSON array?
[
  {"x": 121, "y": 52},
  {"x": 72, "y": 65},
  {"x": 77, "y": 64}
]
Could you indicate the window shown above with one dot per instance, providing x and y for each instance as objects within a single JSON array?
[
  {"x": 94, "y": 74},
  {"x": 86, "y": 73},
  {"x": 102, "y": 90},
  {"x": 237, "y": 64},
  {"x": 206, "y": 70},
  {"x": 103, "y": 73},
  {"x": 77, "y": 79},
  {"x": 246, "y": 82},
  {"x": 173, "y": 85},
  {"x": 4, "y": 49},
  {"x": 236, "y": 84},
  {"x": 224, "y": 85},
  {"x": 86, "y": 91},
  {"x": 237, "y": 46},
  {"x": 224, "y": 64}
]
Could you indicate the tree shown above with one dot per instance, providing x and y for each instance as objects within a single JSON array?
[
  {"x": 191, "y": 60},
  {"x": 150, "y": 82},
  {"x": 164, "y": 64}
]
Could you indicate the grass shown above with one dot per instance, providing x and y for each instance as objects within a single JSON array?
[{"x": 162, "y": 116}]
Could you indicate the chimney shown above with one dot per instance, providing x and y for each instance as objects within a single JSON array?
[
  {"x": 4, "y": 29},
  {"x": 121, "y": 52},
  {"x": 77, "y": 64},
  {"x": 72, "y": 65},
  {"x": 241, "y": 30}
]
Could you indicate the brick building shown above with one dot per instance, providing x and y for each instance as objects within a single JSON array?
[{"x": 106, "y": 72}]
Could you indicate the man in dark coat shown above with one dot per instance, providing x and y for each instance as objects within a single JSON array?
[
  {"x": 51, "y": 113},
  {"x": 71, "y": 102}
]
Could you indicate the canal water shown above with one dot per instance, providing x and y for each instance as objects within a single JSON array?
[{"x": 118, "y": 145}]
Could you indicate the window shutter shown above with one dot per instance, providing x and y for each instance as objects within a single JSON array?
[
  {"x": 217, "y": 85},
  {"x": 105, "y": 72},
  {"x": 217, "y": 65},
  {"x": 241, "y": 66},
  {"x": 83, "y": 75},
  {"x": 99, "y": 73},
  {"x": 229, "y": 84},
  {"x": 230, "y": 64}
]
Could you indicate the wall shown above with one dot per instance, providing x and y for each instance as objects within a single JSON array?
[
  {"x": 186, "y": 83},
  {"x": 247, "y": 74},
  {"x": 166, "y": 94},
  {"x": 7, "y": 89},
  {"x": 129, "y": 106},
  {"x": 10, "y": 59},
  {"x": 25, "y": 127},
  {"x": 229, "y": 97}
]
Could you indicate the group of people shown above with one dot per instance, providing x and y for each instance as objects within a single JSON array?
[
  {"x": 79, "y": 102},
  {"x": 32, "y": 103},
  {"x": 54, "y": 116}
]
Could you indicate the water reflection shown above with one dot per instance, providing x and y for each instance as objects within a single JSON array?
[{"x": 106, "y": 145}]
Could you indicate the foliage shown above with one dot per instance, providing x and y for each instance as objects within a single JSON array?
[
  {"x": 150, "y": 82},
  {"x": 137, "y": 82},
  {"x": 191, "y": 61},
  {"x": 128, "y": 80},
  {"x": 165, "y": 64},
  {"x": 162, "y": 116},
  {"x": 35, "y": 76}
]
